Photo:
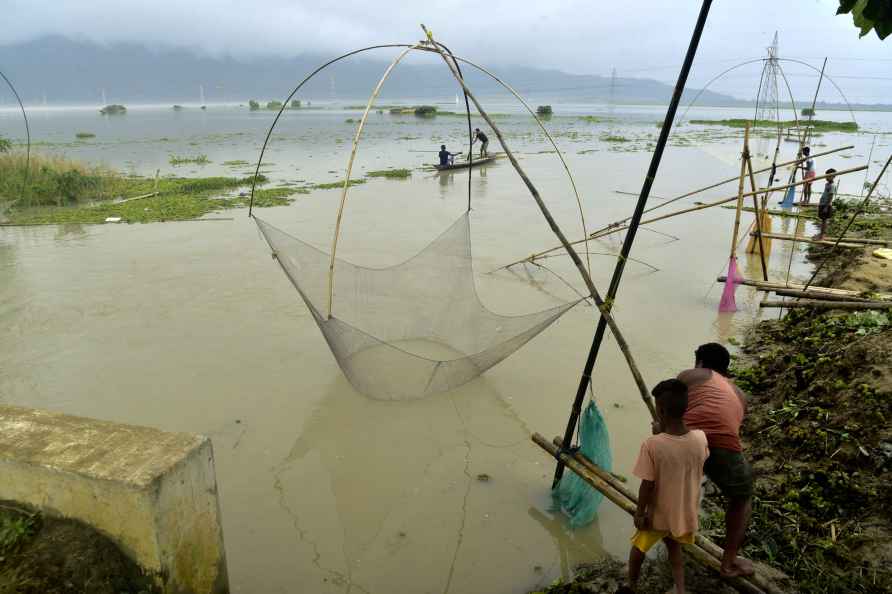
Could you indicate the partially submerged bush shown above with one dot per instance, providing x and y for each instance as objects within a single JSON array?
[
  {"x": 84, "y": 135},
  {"x": 295, "y": 104},
  {"x": 253, "y": 105},
  {"x": 5, "y": 145},
  {"x": 113, "y": 109},
  {"x": 425, "y": 111},
  {"x": 544, "y": 110},
  {"x": 276, "y": 105}
]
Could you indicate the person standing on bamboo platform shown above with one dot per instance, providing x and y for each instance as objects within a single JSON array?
[
  {"x": 670, "y": 466},
  {"x": 717, "y": 406},
  {"x": 825, "y": 205},
  {"x": 808, "y": 173},
  {"x": 484, "y": 142}
]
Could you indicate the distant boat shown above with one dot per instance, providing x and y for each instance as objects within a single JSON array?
[{"x": 465, "y": 164}]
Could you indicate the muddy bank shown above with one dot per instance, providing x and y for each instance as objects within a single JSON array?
[{"x": 45, "y": 555}]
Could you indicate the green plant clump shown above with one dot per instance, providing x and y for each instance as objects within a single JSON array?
[
  {"x": 808, "y": 112},
  {"x": 253, "y": 105},
  {"x": 274, "y": 105},
  {"x": 336, "y": 185},
  {"x": 183, "y": 160},
  {"x": 390, "y": 173},
  {"x": 296, "y": 104},
  {"x": 425, "y": 111},
  {"x": 614, "y": 138},
  {"x": 84, "y": 135},
  {"x": 5, "y": 145},
  {"x": 544, "y": 110},
  {"x": 113, "y": 109}
]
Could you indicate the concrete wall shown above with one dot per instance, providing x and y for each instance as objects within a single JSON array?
[{"x": 154, "y": 493}]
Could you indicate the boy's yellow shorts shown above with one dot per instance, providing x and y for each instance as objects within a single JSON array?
[{"x": 643, "y": 540}]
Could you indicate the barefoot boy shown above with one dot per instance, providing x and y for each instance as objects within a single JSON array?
[{"x": 670, "y": 466}]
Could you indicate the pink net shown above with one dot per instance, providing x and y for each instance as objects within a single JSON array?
[{"x": 728, "y": 303}]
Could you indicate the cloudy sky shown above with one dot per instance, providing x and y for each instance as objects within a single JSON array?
[{"x": 642, "y": 39}]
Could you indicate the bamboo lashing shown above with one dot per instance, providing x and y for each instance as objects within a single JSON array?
[
  {"x": 703, "y": 550},
  {"x": 546, "y": 213},
  {"x": 598, "y": 235},
  {"x": 814, "y": 304}
]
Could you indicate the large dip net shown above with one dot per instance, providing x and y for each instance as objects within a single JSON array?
[
  {"x": 408, "y": 330},
  {"x": 416, "y": 328}
]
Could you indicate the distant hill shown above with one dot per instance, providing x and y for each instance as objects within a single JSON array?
[{"x": 67, "y": 71}]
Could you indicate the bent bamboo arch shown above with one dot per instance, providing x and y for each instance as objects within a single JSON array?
[
  {"x": 406, "y": 49},
  {"x": 27, "y": 137}
]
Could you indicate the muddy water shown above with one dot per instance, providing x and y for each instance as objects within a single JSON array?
[{"x": 192, "y": 327}]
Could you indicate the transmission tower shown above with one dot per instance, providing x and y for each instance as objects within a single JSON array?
[{"x": 768, "y": 104}]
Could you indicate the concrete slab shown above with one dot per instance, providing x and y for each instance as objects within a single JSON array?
[{"x": 152, "y": 492}]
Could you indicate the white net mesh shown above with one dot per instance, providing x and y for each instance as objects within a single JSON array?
[{"x": 412, "y": 329}]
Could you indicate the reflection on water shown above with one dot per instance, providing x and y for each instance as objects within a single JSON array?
[{"x": 191, "y": 327}]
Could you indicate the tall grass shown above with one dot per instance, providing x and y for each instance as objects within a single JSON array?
[{"x": 51, "y": 180}]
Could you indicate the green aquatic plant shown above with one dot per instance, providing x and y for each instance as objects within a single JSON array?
[
  {"x": 825, "y": 125},
  {"x": 544, "y": 110},
  {"x": 84, "y": 135},
  {"x": 296, "y": 104},
  {"x": 390, "y": 173},
  {"x": 183, "y": 160},
  {"x": 274, "y": 105},
  {"x": 253, "y": 105},
  {"x": 336, "y": 184},
  {"x": 5, "y": 144},
  {"x": 235, "y": 163},
  {"x": 425, "y": 111},
  {"x": 614, "y": 138}
]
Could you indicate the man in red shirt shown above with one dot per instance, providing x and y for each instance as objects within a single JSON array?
[{"x": 716, "y": 406}]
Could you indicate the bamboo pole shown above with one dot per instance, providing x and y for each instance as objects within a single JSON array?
[
  {"x": 598, "y": 235},
  {"x": 802, "y": 239},
  {"x": 703, "y": 551},
  {"x": 771, "y": 286},
  {"x": 759, "y": 219},
  {"x": 800, "y": 294},
  {"x": 744, "y": 157},
  {"x": 829, "y": 304},
  {"x": 846, "y": 240},
  {"x": 356, "y": 137},
  {"x": 546, "y": 213}
]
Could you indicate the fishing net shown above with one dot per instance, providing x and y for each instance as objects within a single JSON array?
[
  {"x": 574, "y": 496},
  {"x": 408, "y": 330}
]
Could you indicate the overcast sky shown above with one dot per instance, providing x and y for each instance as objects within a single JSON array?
[{"x": 642, "y": 39}]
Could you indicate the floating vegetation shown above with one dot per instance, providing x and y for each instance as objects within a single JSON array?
[
  {"x": 425, "y": 111},
  {"x": 84, "y": 135},
  {"x": 390, "y": 173},
  {"x": 296, "y": 104},
  {"x": 544, "y": 110},
  {"x": 614, "y": 138},
  {"x": 336, "y": 184},
  {"x": 826, "y": 125},
  {"x": 235, "y": 163},
  {"x": 808, "y": 112},
  {"x": 349, "y": 121},
  {"x": 267, "y": 197},
  {"x": 184, "y": 160},
  {"x": 274, "y": 105},
  {"x": 593, "y": 119},
  {"x": 113, "y": 109},
  {"x": 253, "y": 105}
]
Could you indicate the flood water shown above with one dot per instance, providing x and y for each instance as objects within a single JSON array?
[{"x": 192, "y": 327}]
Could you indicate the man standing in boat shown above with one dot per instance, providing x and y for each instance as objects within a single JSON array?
[
  {"x": 446, "y": 158},
  {"x": 716, "y": 406},
  {"x": 484, "y": 142}
]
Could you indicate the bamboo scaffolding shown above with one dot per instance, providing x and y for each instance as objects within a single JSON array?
[
  {"x": 828, "y": 304},
  {"x": 721, "y": 183},
  {"x": 703, "y": 551},
  {"x": 848, "y": 240},
  {"x": 600, "y": 234},
  {"x": 744, "y": 159},
  {"x": 759, "y": 216}
]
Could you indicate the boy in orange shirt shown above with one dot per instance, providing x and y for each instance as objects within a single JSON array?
[{"x": 670, "y": 466}]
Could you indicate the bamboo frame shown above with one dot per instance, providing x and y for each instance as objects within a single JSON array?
[
  {"x": 611, "y": 230},
  {"x": 593, "y": 291},
  {"x": 759, "y": 216},
  {"x": 859, "y": 240},
  {"x": 744, "y": 158},
  {"x": 800, "y": 294},
  {"x": 802, "y": 239}
]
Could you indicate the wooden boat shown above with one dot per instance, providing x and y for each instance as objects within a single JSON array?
[{"x": 465, "y": 164}]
